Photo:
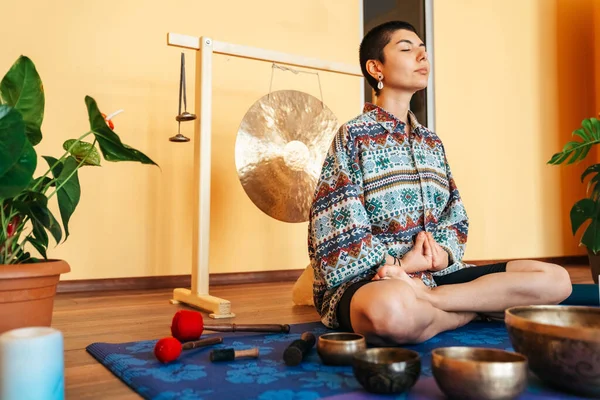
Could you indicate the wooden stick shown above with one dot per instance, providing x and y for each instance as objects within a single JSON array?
[
  {"x": 201, "y": 343},
  {"x": 272, "y": 328},
  {"x": 254, "y": 53},
  {"x": 252, "y": 353}
]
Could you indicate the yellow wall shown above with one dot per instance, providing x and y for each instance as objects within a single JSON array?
[
  {"x": 136, "y": 220},
  {"x": 513, "y": 80}
]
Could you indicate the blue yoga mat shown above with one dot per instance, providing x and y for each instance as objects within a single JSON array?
[
  {"x": 193, "y": 376},
  {"x": 583, "y": 295}
]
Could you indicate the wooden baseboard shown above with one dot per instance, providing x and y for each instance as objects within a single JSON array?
[
  {"x": 184, "y": 281},
  {"x": 175, "y": 281}
]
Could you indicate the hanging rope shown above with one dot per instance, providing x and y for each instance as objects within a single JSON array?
[{"x": 294, "y": 71}]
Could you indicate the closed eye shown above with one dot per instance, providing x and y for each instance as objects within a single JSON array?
[{"x": 408, "y": 42}]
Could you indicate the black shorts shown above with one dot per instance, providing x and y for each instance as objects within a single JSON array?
[{"x": 460, "y": 276}]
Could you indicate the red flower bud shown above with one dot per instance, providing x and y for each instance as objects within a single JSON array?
[{"x": 12, "y": 226}]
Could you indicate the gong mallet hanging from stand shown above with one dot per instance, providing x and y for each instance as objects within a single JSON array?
[
  {"x": 189, "y": 325},
  {"x": 185, "y": 116}
]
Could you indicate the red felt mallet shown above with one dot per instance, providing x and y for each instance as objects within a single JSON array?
[
  {"x": 168, "y": 349},
  {"x": 189, "y": 325}
]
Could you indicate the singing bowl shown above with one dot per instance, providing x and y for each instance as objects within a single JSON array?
[
  {"x": 476, "y": 373},
  {"x": 387, "y": 370},
  {"x": 562, "y": 344},
  {"x": 339, "y": 348}
]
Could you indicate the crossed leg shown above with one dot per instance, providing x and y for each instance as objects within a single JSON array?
[
  {"x": 406, "y": 311},
  {"x": 389, "y": 311}
]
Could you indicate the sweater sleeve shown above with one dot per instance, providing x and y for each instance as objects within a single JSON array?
[
  {"x": 342, "y": 245},
  {"x": 453, "y": 225}
]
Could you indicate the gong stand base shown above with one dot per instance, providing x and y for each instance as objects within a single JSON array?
[{"x": 220, "y": 308}]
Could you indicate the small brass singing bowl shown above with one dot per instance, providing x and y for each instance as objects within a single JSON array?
[
  {"x": 476, "y": 373},
  {"x": 387, "y": 370},
  {"x": 339, "y": 348},
  {"x": 562, "y": 344}
]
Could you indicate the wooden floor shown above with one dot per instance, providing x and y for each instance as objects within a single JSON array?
[{"x": 117, "y": 317}]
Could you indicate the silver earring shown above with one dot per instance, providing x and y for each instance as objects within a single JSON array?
[{"x": 380, "y": 84}]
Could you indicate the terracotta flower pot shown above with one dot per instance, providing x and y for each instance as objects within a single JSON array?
[{"x": 27, "y": 293}]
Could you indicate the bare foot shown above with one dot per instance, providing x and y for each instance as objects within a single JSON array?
[
  {"x": 466, "y": 317},
  {"x": 422, "y": 291}
]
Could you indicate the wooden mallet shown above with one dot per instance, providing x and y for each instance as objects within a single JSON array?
[
  {"x": 168, "y": 349},
  {"x": 295, "y": 352},
  {"x": 232, "y": 354},
  {"x": 189, "y": 325}
]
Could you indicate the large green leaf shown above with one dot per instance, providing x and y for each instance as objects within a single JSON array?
[
  {"x": 22, "y": 89},
  {"x": 582, "y": 211},
  {"x": 591, "y": 237},
  {"x": 590, "y": 170},
  {"x": 35, "y": 206},
  {"x": 594, "y": 183},
  {"x": 17, "y": 178},
  {"x": 574, "y": 151},
  {"x": 12, "y": 137},
  {"x": 38, "y": 245},
  {"x": 69, "y": 191},
  {"x": 82, "y": 151},
  {"x": 110, "y": 144}
]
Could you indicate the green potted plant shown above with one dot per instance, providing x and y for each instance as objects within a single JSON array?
[
  {"x": 587, "y": 208},
  {"x": 28, "y": 278}
]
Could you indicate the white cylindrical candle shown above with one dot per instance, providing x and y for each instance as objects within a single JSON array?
[{"x": 32, "y": 364}]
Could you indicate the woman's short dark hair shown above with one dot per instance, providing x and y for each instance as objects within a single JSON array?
[{"x": 371, "y": 47}]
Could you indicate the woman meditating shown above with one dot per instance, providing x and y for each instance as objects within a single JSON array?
[{"x": 388, "y": 229}]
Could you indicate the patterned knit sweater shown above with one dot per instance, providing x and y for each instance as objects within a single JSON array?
[{"x": 380, "y": 185}]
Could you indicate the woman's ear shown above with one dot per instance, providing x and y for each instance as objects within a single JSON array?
[{"x": 374, "y": 68}]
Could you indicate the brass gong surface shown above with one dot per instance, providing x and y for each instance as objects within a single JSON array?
[{"x": 279, "y": 151}]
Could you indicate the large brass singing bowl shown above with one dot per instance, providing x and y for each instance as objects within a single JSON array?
[
  {"x": 476, "y": 373},
  {"x": 562, "y": 344}
]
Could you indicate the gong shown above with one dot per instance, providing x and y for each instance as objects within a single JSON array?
[{"x": 279, "y": 151}]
